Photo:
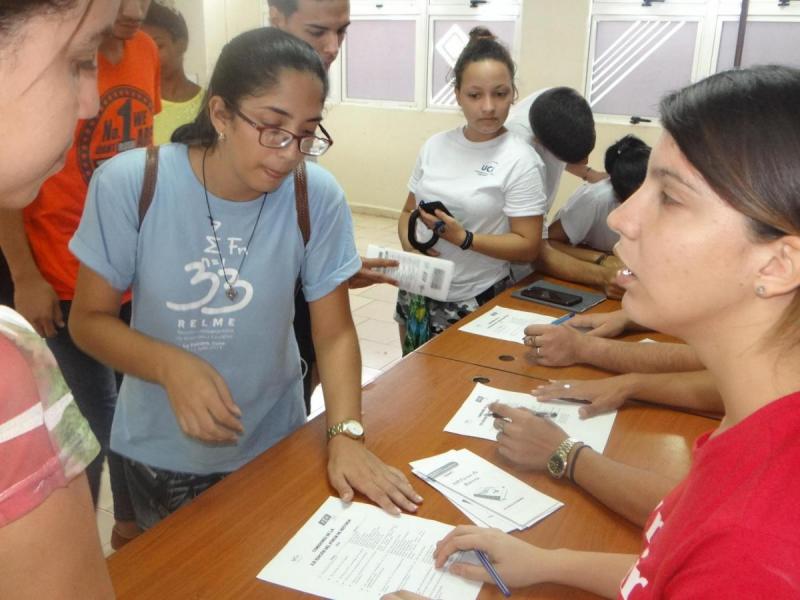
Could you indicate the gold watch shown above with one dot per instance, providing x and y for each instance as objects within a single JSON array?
[
  {"x": 351, "y": 428},
  {"x": 557, "y": 463}
]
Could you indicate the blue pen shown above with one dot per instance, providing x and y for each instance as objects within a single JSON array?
[
  {"x": 563, "y": 319},
  {"x": 493, "y": 572}
]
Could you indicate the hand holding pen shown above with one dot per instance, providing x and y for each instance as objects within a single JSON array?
[
  {"x": 510, "y": 562},
  {"x": 525, "y": 439}
]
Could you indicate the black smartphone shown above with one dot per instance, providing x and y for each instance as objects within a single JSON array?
[
  {"x": 553, "y": 296},
  {"x": 431, "y": 207}
]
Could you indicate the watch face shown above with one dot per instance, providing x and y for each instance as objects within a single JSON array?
[
  {"x": 556, "y": 465},
  {"x": 354, "y": 428}
]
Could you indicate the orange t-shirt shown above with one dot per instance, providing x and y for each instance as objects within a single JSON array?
[{"x": 130, "y": 96}]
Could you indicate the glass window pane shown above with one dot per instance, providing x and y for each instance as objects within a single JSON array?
[
  {"x": 372, "y": 75},
  {"x": 449, "y": 38},
  {"x": 636, "y": 62},
  {"x": 765, "y": 42}
]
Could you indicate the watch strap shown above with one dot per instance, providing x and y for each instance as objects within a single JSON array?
[{"x": 341, "y": 427}]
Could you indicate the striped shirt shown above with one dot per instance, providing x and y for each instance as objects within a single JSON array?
[{"x": 44, "y": 440}]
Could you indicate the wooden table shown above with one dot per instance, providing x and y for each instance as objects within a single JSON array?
[
  {"x": 214, "y": 547},
  {"x": 513, "y": 357}
]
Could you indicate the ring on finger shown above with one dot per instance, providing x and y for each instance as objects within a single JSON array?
[
  {"x": 538, "y": 350},
  {"x": 567, "y": 386}
]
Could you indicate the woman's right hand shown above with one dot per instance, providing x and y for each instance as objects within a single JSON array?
[
  {"x": 610, "y": 324},
  {"x": 200, "y": 399},
  {"x": 518, "y": 563}
]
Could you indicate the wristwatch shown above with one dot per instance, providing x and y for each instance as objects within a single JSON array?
[
  {"x": 557, "y": 463},
  {"x": 351, "y": 428}
]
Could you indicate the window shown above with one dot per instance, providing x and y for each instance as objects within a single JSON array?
[
  {"x": 639, "y": 49},
  {"x": 400, "y": 53}
]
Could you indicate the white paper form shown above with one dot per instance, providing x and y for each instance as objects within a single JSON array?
[
  {"x": 476, "y": 513},
  {"x": 417, "y": 273},
  {"x": 475, "y": 419},
  {"x": 466, "y": 474},
  {"x": 359, "y": 552},
  {"x": 505, "y": 323}
]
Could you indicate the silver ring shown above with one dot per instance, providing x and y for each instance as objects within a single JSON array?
[
  {"x": 567, "y": 386},
  {"x": 538, "y": 350}
]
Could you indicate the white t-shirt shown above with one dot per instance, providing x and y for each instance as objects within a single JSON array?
[
  {"x": 583, "y": 217},
  {"x": 482, "y": 184}
]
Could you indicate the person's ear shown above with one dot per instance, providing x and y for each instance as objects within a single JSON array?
[
  {"x": 457, "y": 93},
  {"x": 781, "y": 271},
  {"x": 276, "y": 17},
  {"x": 219, "y": 114}
]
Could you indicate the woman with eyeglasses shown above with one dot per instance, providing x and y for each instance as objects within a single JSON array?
[{"x": 213, "y": 374}]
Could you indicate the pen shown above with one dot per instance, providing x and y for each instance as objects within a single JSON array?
[
  {"x": 493, "y": 572},
  {"x": 563, "y": 319}
]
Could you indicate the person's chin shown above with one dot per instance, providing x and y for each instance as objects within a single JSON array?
[
  {"x": 125, "y": 32},
  {"x": 21, "y": 197}
]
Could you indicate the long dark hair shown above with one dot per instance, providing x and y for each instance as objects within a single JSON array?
[
  {"x": 741, "y": 130},
  {"x": 249, "y": 65}
]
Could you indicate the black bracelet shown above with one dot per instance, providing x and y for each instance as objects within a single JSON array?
[
  {"x": 573, "y": 461},
  {"x": 467, "y": 243}
]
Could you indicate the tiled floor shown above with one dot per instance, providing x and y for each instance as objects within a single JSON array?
[{"x": 373, "y": 311}]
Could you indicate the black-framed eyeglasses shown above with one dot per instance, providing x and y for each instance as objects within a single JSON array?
[{"x": 275, "y": 137}]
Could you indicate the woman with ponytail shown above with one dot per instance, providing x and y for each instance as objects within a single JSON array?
[{"x": 485, "y": 177}]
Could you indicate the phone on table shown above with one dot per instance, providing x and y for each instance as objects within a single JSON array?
[
  {"x": 433, "y": 206},
  {"x": 552, "y": 296}
]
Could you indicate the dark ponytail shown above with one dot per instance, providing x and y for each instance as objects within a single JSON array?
[
  {"x": 626, "y": 164},
  {"x": 483, "y": 45},
  {"x": 249, "y": 65}
]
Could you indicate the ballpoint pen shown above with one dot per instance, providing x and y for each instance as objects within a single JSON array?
[
  {"x": 563, "y": 319},
  {"x": 493, "y": 572}
]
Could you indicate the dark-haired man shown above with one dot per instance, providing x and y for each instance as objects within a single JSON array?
[
  {"x": 323, "y": 25},
  {"x": 559, "y": 124}
]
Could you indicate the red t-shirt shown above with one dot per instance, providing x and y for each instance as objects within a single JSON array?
[
  {"x": 731, "y": 529},
  {"x": 130, "y": 96}
]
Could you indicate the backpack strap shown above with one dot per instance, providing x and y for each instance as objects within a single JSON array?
[
  {"x": 149, "y": 182},
  {"x": 301, "y": 201}
]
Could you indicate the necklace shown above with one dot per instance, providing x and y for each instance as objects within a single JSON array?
[{"x": 230, "y": 291}]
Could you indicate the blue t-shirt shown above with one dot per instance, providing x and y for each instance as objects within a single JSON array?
[{"x": 173, "y": 267}]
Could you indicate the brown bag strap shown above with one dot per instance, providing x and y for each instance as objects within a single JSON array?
[
  {"x": 301, "y": 201},
  {"x": 149, "y": 182}
]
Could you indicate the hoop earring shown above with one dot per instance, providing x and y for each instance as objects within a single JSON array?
[{"x": 760, "y": 291}]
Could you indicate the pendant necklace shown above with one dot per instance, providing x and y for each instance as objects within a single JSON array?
[{"x": 230, "y": 291}]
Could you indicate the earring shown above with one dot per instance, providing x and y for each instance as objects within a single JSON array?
[
  {"x": 760, "y": 291},
  {"x": 221, "y": 136}
]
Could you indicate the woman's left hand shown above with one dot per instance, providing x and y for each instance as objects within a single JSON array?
[
  {"x": 352, "y": 467},
  {"x": 445, "y": 226}
]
